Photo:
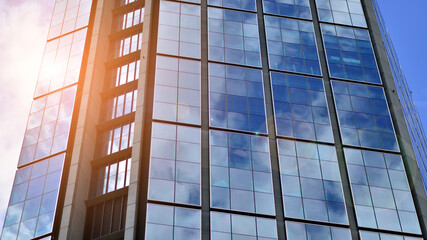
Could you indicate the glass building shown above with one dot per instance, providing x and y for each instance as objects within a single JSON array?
[{"x": 222, "y": 120}]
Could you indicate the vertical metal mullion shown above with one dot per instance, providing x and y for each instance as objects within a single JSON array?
[
  {"x": 351, "y": 214},
  {"x": 205, "y": 180},
  {"x": 280, "y": 218}
]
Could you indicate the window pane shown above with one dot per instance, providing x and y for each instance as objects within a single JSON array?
[{"x": 242, "y": 180}]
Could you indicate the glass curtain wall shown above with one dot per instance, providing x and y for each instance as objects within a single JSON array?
[
  {"x": 266, "y": 97},
  {"x": 33, "y": 201}
]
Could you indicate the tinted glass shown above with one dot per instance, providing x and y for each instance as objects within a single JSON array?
[
  {"x": 380, "y": 191},
  {"x": 236, "y": 98},
  {"x": 349, "y": 54},
  {"x": 363, "y": 116},
  {"x": 240, "y": 173},
  {"x": 300, "y": 107},
  {"x": 291, "y": 45},
  {"x": 175, "y": 164},
  {"x": 233, "y": 37}
]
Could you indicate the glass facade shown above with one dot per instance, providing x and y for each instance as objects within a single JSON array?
[
  {"x": 33, "y": 201},
  {"x": 241, "y": 135},
  {"x": 235, "y": 99},
  {"x": 380, "y": 191},
  {"x": 177, "y": 90},
  {"x": 300, "y": 107},
  {"x": 347, "y": 12},
  {"x": 233, "y": 37},
  {"x": 291, "y": 45},
  {"x": 349, "y": 53},
  {"x": 240, "y": 173},
  {"x": 288, "y": 8},
  {"x": 364, "y": 116},
  {"x": 311, "y": 183},
  {"x": 175, "y": 164}
]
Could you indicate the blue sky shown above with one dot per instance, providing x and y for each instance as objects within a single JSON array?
[
  {"x": 406, "y": 24},
  {"x": 23, "y": 30}
]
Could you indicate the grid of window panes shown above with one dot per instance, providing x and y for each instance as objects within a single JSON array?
[
  {"x": 48, "y": 126},
  {"x": 116, "y": 139},
  {"x": 365, "y": 235},
  {"x": 168, "y": 222},
  {"x": 233, "y": 37},
  {"x": 288, "y": 8},
  {"x": 311, "y": 183},
  {"x": 349, "y": 54},
  {"x": 61, "y": 62},
  {"x": 177, "y": 90},
  {"x": 119, "y": 105},
  {"x": 127, "y": 45},
  {"x": 236, "y": 98},
  {"x": 233, "y": 226},
  {"x": 179, "y": 29},
  {"x": 363, "y": 116},
  {"x": 69, "y": 15},
  {"x": 114, "y": 176},
  {"x": 175, "y": 164},
  {"x": 248, "y": 5},
  {"x": 347, "y": 12},
  {"x": 130, "y": 19},
  {"x": 33, "y": 200},
  {"x": 291, "y": 45},
  {"x": 300, "y": 107},
  {"x": 240, "y": 173},
  {"x": 125, "y": 73},
  {"x": 302, "y": 231},
  {"x": 381, "y": 192}
]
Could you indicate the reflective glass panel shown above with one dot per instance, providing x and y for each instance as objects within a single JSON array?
[
  {"x": 236, "y": 98},
  {"x": 61, "y": 62},
  {"x": 347, "y": 12},
  {"x": 130, "y": 19},
  {"x": 33, "y": 200},
  {"x": 177, "y": 90},
  {"x": 349, "y": 54},
  {"x": 48, "y": 125},
  {"x": 300, "y": 107},
  {"x": 114, "y": 176},
  {"x": 311, "y": 183},
  {"x": 175, "y": 164},
  {"x": 288, "y": 8},
  {"x": 363, "y": 116},
  {"x": 179, "y": 29},
  {"x": 233, "y": 226},
  {"x": 240, "y": 173},
  {"x": 126, "y": 45},
  {"x": 248, "y": 5},
  {"x": 68, "y": 16},
  {"x": 301, "y": 231},
  {"x": 172, "y": 223},
  {"x": 119, "y": 105},
  {"x": 116, "y": 139},
  {"x": 381, "y": 192},
  {"x": 291, "y": 45},
  {"x": 125, "y": 73},
  {"x": 233, "y": 37}
]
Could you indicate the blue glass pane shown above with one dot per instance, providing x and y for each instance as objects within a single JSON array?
[
  {"x": 349, "y": 57},
  {"x": 311, "y": 183},
  {"x": 240, "y": 173},
  {"x": 291, "y": 45},
  {"x": 238, "y": 95}
]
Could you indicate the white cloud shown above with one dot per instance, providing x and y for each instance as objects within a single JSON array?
[{"x": 23, "y": 30}]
